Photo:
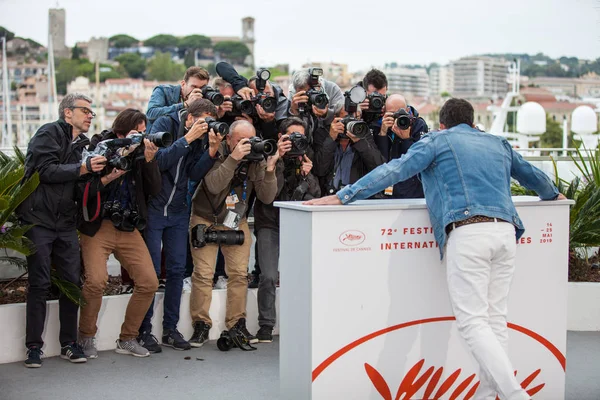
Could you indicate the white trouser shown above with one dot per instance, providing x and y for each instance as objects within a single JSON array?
[{"x": 480, "y": 262}]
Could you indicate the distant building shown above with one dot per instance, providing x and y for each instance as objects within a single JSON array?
[
  {"x": 57, "y": 25},
  {"x": 585, "y": 86},
  {"x": 18, "y": 71},
  {"x": 334, "y": 72},
  {"x": 441, "y": 79},
  {"x": 408, "y": 81},
  {"x": 479, "y": 77}
]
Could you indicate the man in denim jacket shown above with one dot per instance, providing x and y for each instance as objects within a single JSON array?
[{"x": 466, "y": 177}]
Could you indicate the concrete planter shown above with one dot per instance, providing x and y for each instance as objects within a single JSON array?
[
  {"x": 110, "y": 318},
  {"x": 584, "y": 306}
]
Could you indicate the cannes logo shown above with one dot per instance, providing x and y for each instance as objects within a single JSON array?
[
  {"x": 352, "y": 238},
  {"x": 430, "y": 379}
]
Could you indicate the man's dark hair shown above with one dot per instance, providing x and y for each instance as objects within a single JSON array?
[
  {"x": 455, "y": 112},
  {"x": 196, "y": 72},
  {"x": 202, "y": 106},
  {"x": 376, "y": 78},
  {"x": 291, "y": 121},
  {"x": 127, "y": 121}
]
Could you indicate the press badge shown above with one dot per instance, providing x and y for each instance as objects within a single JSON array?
[
  {"x": 389, "y": 191},
  {"x": 231, "y": 201},
  {"x": 232, "y": 220}
]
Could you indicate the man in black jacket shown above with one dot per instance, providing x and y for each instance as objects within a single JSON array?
[
  {"x": 54, "y": 152},
  {"x": 295, "y": 182},
  {"x": 341, "y": 158},
  {"x": 115, "y": 212},
  {"x": 394, "y": 142}
]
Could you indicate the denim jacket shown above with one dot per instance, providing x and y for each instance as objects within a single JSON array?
[
  {"x": 465, "y": 172},
  {"x": 165, "y": 100}
]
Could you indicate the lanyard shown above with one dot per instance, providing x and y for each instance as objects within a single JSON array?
[{"x": 244, "y": 190}]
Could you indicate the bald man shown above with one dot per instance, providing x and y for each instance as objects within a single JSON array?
[
  {"x": 220, "y": 199},
  {"x": 393, "y": 142}
]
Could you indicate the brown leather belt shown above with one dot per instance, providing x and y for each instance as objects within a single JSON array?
[{"x": 473, "y": 220}]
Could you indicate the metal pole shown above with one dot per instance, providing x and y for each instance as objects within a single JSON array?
[
  {"x": 7, "y": 135},
  {"x": 565, "y": 137}
]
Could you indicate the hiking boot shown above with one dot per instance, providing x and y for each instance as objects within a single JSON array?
[
  {"x": 73, "y": 353},
  {"x": 241, "y": 326},
  {"x": 200, "y": 335},
  {"x": 131, "y": 347},
  {"x": 172, "y": 338},
  {"x": 148, "y": 341},
  {"x": 34, "y": 357},
  {"x": 88, "y": 346},
  {"x": 265, "y": 334}
]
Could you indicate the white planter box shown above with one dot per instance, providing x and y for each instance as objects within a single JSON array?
[
  {"x": 584, "y": 306},
  {"x": 110, "y": 318}
]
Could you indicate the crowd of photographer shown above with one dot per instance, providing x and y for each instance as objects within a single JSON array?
[{"x": 174, "y": 187}]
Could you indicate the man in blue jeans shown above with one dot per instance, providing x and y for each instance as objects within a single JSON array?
[
  {"x": 466, "y": 177},
  {"x": 168, "y": 213}
]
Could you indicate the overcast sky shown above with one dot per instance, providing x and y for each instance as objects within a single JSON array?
[{"x": 360, "y": 33}]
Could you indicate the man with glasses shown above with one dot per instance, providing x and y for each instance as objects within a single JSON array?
[
  {"x": 394, "y": 141},
  {"x": 55, "y": 153}
]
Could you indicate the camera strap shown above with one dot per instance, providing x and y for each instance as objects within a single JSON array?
[
  {"x": 86, "y": 193},
  {"x": 215, "y": 212}
]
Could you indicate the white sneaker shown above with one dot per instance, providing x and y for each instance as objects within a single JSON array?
[
  {"x": 221, "y": 283},
  {"x": 187, "y": 285}
]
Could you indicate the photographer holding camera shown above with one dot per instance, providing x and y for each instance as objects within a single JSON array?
[
  {"x": 269, "y": 106},
  {"x": 115, "y": 213},
  {"x": 372, "y": 108},
  {"x": 401, "y": 127},
  {"x": 343, "y": 157},
  {"x": 295, "y": 182},
  {"x": 166, "y": 99},
  {"x": 54, "y": 152},
  {"x": 168, "y": 212},
  {"x": 218, "y": 217},
  {"x": 313, "y": 99}
]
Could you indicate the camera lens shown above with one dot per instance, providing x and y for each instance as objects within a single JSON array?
[
  {"x": 119, "y": 162},
  {"x": 376, "y": 103},
  {"x": 216, "y": 98},
  {"x": 160, "y": 139},
  {"x": 225, "y": 237},
  {"x": 319, "y": 100},
  {"x": 220, "y": 128},
  {"x": 403, "y": 122},
  {"x": 358, "y": 128},
  {"x": 269, "y": 104}
]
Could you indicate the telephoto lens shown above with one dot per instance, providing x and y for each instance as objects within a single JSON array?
[
  {"x": 160, "y": 139},
  {"x": 213, "y": 95},
  {"x": 360, "y": 129},
  {"x": 220, "y": 128}
]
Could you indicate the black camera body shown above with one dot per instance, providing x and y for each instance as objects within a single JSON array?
[
  {"x": 315, "y": 96},
  {"x": 220, "y": 128},
  {"x": 203, "y": 235},
  {"x": 213, "y": 95},
  {"x": 300, "y": 144},
  {"x": 260, "y": 149},
  {"x": 376, "y": 105},
  {"x": 123, "y": 219},
  {"x": 248, "y": 107},
  {"x": 403, "y": 119}
]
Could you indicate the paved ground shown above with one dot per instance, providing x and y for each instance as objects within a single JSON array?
[{"x": 234, "y": 375}]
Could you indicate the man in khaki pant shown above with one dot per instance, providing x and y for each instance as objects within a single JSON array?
[
  {"x": 122, "y": 215},
  {"x": 220, "y": 198}
]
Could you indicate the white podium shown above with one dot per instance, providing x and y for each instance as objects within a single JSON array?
[{"x": 365, "y": 313}]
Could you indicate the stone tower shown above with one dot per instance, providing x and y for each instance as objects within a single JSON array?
[
  {"x": 248, "y": 38},
  {"x": 57, "y": 32}
]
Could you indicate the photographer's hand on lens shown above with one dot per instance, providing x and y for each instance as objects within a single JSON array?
[
  {"x": 150, "y": 150},
  {"x": 194, "y": 95},
  {"x": 306, "y": 166},
  {"x": 386, "y": 123},
  {"x": 97, "y": 163},
  {"x": 299, "y": 97},
  {"x": 227, "y": 106},
  {"x": 214, "y": 141},
  {"x": 262, "y": 114},
  {"x": 114, "y": 174},
  {"x": 320, "y": 112},
  {"x": 246, "y": 93},
  {"x": 336, "y": 128},
  {"x": 284, "y": 145},
  {"x": 198, "y": 130},
  {"x": 352, "y": 137},
  {"x": 402, "y": 133},
  {"x": 242, "y": 149}
]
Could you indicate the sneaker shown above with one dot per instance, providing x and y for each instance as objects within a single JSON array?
[
  {"x": 221, "y": 283},
  {"x": 265, "y": 334},
  {"x": 148, "y": 341},
  {"x": 241, "y": 326},
  {"x": 200, "y": 335},
  {"x": 88, "y": 346},
  {"x": 126, "y": 289},
  {"x": 132, "y": 347},
  {"x": 187, "y": 285},
  {"x": 161, "y": 285},
  {"x": 73, "y": 353},
  {"x": 253, "y": 284},
  {"x": 172, "y": 338},
  {"x": 34, "y": 357}
]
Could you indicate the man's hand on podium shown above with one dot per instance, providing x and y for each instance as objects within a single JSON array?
[{"x": 332, "y": 200}]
